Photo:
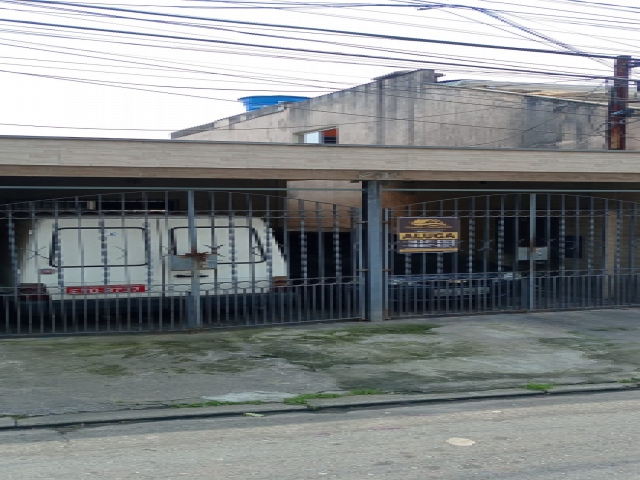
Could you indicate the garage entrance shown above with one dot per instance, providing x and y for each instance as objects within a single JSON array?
[
  {"x": 164, "y": 260},
  {"x": 515, "y": 252},
  {"x": 161, "y": 260}
]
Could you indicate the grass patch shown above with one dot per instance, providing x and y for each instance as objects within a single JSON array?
[
  {"x": 366, "y": 391},
  {"x": 360, "y": 332},
  {"x": 214, "y": 403},
  {"x": 304, "y": 398},
  {"x": 318, "y": 354},
  {"x": 543, "y": 387},
  {"x": 630, "y": 380}
]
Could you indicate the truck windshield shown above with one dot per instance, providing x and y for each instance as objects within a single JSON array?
[
  {"x": 235, "y": 245},
  {"x": 99, "y": 247}
]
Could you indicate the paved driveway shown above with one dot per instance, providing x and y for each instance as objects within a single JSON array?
[{"x": 57, "y": 375}]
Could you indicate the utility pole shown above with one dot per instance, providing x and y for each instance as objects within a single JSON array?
[{"x": 619, "y": 104}]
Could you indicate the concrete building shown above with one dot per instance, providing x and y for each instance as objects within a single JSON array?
[{"x": 412, "y": 108}]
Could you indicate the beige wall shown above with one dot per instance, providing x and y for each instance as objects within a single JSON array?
[{"x": 412, "y": 109}]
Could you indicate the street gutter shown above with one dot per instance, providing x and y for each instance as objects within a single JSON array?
[{"x": 81, "y": 420}]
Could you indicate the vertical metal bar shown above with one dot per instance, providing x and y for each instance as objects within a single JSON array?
[
  {"x": 423, "y": 285},
  {"x": 386, "y": 249},
  {"x": 168, "y": 288},
  {"x": 194, "y": 314},
  {"x": 518, "y": 216},
  {"x": 562, "y": 249},
  {"x": 410, "y": 291},
  {"x": 105, "y": 269},
  {"x": 255, "y": 292},
  {"x": 374, "y": 295},
  {"x": 500, "y": 247},
  {"x": 394, "y": 298},
  {"x": 83, "y": 281},
  {"x": 548, "y": 288},
  {"x": 57, "y": 253},
  {"x": 322, "y": 281},
  {"x": 619, "y": 289},
  {"x": 532, "y": 251},
  {"x": 127, "y": 273},
  {"x": 36, "y": 254},
  {"x": 357, "y": 262},
  {"x": 233, "y": 255},
  {"x": 470, "y": 259},
  {"x": 440, "y": 284},
  {"x": 633, "y": 224},
  {"x": 456, "y": 255},
  {"x": 306, "y": 290},
  {"x": 632, "y": 253},
  {"x": 593, "y": 274},
  {"x": 218, "y": 290},
  {"x": 15, "y": 267},
  {"x": 486, "y": 246},
  {"x": 270, "y": 308},
  {"x": 577, "y": 274},
  {"x": 147, "y": 259},
  {"x": 337, "y": 255}
]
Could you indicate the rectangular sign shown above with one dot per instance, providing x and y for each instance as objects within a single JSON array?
[
  {"x": 88, "y": 290},
  {"x": 428, "y": 234}
]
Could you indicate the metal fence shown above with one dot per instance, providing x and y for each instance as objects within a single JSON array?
[
  {"x": 518, "y": 252},
  {"x": 175, "y": 260}
]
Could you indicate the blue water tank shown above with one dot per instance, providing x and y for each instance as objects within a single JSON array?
[{"x": 261, "y": 101}]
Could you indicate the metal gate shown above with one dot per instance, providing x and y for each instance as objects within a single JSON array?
[
  {"x": 175, "y": 260},
  {"x": 518, "y": 252}
]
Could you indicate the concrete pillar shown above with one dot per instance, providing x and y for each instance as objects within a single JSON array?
[{"x": 373, "y": 251}]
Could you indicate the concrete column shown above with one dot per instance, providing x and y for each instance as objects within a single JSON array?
[{"x": 373, "y": 251}]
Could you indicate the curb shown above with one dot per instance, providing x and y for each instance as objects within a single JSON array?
[
  {"x": 399, "y": 400},
  {"x": 366, "y": 401},
  {"x": 147, "y": 415}
]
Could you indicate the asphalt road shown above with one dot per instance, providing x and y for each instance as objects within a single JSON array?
[{"x": 577, "y": 437}]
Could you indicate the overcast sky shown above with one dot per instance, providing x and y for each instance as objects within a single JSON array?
[{"x": 108, "y": 84}]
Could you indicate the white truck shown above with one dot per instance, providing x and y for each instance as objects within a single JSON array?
[{"x": 68, "y": 260}]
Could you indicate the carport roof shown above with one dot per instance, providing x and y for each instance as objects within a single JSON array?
[{"x": 126, "y": 158}]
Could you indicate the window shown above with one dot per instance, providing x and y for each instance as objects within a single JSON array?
[
  {"x": 326, "y": 137},
  {"x": 246, "y": 243},
  {"x": 99, "y": 247}
]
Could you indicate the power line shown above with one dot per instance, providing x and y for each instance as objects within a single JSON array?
[
  {"x": 332, "y": 43},
  {"x": 371, "y": 48},
  {"x": 517, "y": 105},
  {"x": 226, "y": 42},
  {"x": 317, "y": 40},
  {"x": 237, "y": 89},
  {"x": 312, "y": 29},
  {"x": 244, "y": 72}
]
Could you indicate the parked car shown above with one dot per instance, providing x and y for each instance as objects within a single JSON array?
[{"x": 462, "y": 279}]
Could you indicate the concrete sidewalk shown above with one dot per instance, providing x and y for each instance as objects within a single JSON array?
[{"x": 459, "y": 354}]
